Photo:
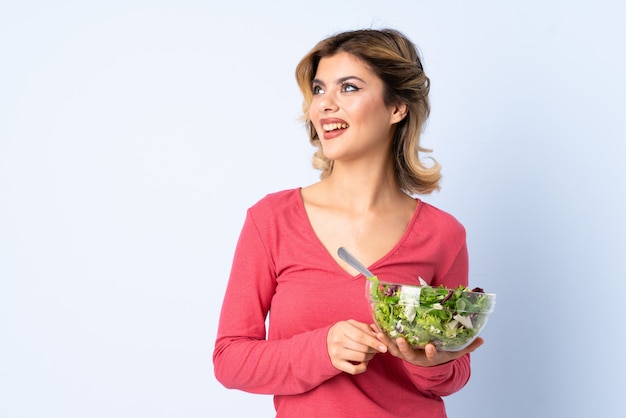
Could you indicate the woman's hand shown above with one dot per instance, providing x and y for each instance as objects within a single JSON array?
[
  {"x": 425, "y": 357},
  {"x": 351, "y": 345}
]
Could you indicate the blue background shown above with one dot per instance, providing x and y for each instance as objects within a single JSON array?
[{"x": 134, "y": 135}]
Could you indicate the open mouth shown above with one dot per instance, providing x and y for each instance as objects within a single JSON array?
[{"x": 328, "y": 127}]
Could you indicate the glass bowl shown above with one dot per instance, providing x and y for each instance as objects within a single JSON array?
[{"x": 448, "y": 318}]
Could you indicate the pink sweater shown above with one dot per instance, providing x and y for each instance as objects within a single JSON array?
[{"x": 281, "y": 268}]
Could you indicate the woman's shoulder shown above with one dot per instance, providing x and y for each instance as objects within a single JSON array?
[
  {"x": 277, "y": 202},
  {"x": 278, "y": 197},
  {"x": 439, "y": 218}
]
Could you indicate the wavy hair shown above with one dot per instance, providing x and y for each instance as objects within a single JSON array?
[{"x": 396, "y": 61}]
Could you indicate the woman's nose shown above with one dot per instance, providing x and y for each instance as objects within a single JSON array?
[{"x": 327, "y": 104}]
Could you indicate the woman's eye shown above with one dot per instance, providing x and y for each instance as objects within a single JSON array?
[
  {"x": 347, "y": 87},
  {"x": 317, "y": 90}
]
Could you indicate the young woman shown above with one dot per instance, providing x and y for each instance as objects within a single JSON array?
[{"x": 365, "y": 102}]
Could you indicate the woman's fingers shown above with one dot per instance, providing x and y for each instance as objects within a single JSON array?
[
  {"x": 392, "y": 348},
  {"x": 363, "y": 334},
  {"x": 431, "y": 352},
  {"x": 427, "y": 356},
  {"x": 351, "y": 345}
]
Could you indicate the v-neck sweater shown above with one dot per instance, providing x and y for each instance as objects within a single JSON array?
[{"x": 281, "y": 269}]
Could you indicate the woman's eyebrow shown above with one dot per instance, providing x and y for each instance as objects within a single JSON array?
[
  {"x": 339, "y": 80},
  {"x": 350, "y": 77}
]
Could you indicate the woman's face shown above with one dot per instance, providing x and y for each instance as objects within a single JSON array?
[{"x": 348, "y": 110}]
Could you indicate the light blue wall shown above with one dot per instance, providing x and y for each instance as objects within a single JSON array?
[{"x": 133, "y": 136}]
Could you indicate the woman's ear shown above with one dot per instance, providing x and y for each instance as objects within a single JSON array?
[{"x": 399, "y": 112}]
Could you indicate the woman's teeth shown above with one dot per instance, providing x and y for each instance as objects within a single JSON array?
[{"x": 333, "y": 126}]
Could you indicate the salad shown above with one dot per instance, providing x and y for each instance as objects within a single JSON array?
[{"x": 448, "y": 318}]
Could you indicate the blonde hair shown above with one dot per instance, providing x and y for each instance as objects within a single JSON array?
[{"x": 396, "y": 61}]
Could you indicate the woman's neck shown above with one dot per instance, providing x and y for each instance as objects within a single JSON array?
[{"x": 362, "y": 187}]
